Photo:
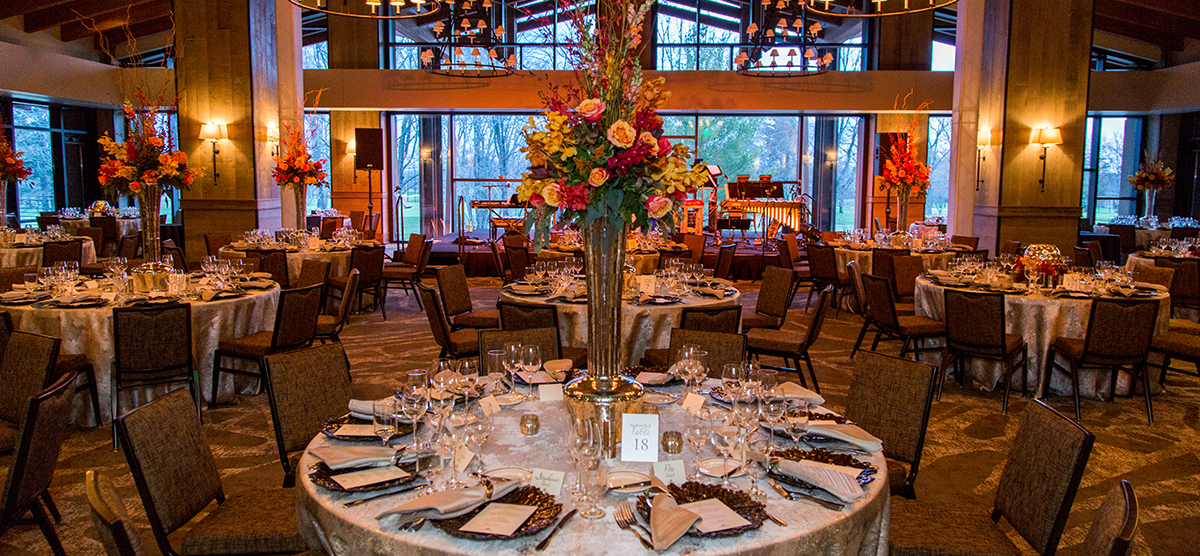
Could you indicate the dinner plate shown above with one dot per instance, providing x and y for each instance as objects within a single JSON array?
[
  {"x": 625, "y": 478},
  {"x": 512, "y": 398},
  {"x": 511, "y": 473},
  {"x": 557, "y": 365},
  {"x": 657, "y": 399},
  {"x": 715, "y": 467}
]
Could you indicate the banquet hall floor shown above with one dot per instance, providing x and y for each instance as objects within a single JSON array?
[{"x": 965, "y": 447}]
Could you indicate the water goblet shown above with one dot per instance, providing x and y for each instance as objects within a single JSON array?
[
  {"x": 732, "y": 376},
  {"x": 453, "y": 439},
  {"x": 531, "y": 361},
  {"x": 512, "y": 363},
  {"x": 758, "y": 461},
  {"x": 384, "y": 413},
  {"x": 796, "y": 420},
  {"x": 479, "y": 427},
  {"x": 696, "y": 434},
  {"x": 727, "y": 440},
  {"x": 495, "y": 367},
  {"x": 468, "y": 377},
  {"x": 773, "y": 406},
  {"x": 414, "y": 404}
]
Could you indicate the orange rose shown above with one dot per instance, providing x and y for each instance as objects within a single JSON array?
[
  {"x": 597, "y": 177},
  {"x": 135, "y": 187},
  {"x": 622, "y": 134}
]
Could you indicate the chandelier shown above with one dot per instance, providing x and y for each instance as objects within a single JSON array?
[
  {"x": 470, "y": 41},
  {"x": 781, "y": 42},
  {"x": 874, "y": 8},
  {"x": 380, "y": 9}
]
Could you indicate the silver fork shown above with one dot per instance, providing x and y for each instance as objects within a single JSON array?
[{"x": 624, "y": 516}]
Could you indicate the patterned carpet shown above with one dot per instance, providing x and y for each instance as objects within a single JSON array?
[{"x": 965, "y": 448}]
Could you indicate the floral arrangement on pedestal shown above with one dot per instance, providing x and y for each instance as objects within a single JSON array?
[
  {"x": 1152, "y": 176},
  {"x": 12, "y": 171},
  {"x": 296, "y": 169},
  {"x": 903, "y": 174}
]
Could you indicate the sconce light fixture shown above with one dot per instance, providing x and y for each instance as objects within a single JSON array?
[
  {"x": 214, "y": 132},
  {"x": 984, "y": 141},
  {"x": 1045, "y": 136},
  {"x": 351, "y": 149},
  {"x": 273, "y": 139}
]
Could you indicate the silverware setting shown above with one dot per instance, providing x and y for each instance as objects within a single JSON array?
[
  {"x": 777, "y": 521},
  {"x": 797, "y": 496},
  {"x": 546, "y": 541},
  {"x": 626, "y": 520},
  {"x": 384, "y": 495}
]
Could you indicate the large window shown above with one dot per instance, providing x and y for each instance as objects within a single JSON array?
[
  {"x": 1111, "y": 153},
  {"x": 937, "y": 198},
  {"x": 316, "y": 126},
  {"x": 753, "y": 146},
  {"x": 406, "y": 178},
  {"x": 487, "y": 161},
  {"x": 31, "y": 134}
]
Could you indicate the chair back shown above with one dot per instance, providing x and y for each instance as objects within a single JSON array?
[
  {"x": 296, "y": 319},
  {"x": 722, "y": 347},
  {"x": 1184, "y": 233},
  {"x": 695, "y": 244},
  {"x": 881, "y": 308},
  {"x": 969, "y": 241},
  {"x": 12, "y": 276},
  {"x": 718, "y": 319},
  {"x": 975, "y": 322},
  {"x": 724, "y": 267},
  {"x": 369, "y": 263},
  {"x": 308, "y": 387},
  {"x": 1115, "y": 524},
  {"x": 456, "y": 294},
  {"x": 118, "y": 535},
  {"x": 97, "y": 236},
  {"x": 1010, "y": 247},
  {"x": 152, "y": 343},
  {"x": 272, "y": 261},
  {"x": 814, "y": 328},
  {"x": 545, "y": 338},
  {"x": 1160, "y": 275},
  {"x": 412, "y": 249},
  {"x": 1096, "y": 250},
  {"x": 108, "y": 227},
  {"x": 129, "y": 246},
  {"x": 1185, "y": 285},
  {"x": 177, "y": 259},
  {"x": 1083, "y": 257},
  {"x": 6, "y": 331},
  {"x": 1119, "y": 331},
  {"x": 328, "y": 225},
  {"x": 775, "y": 293},
  {"x": 854, "y": 270},
  {"x": 792, "y": 246},
  {"x": 527, "y": 316},
  {"x": 54, "y": 252},
  {"x": 881, "y": 262},
  {"x": 905, "y": 271},
  {"x": 344, "y": 307},
  {"x": 312, "y": 272},
  {"x": 890, "y": 398},
  {"x": 518, "y": 259},
  {"x": 822, "y": 263},
  {"x": 497, "y": 261},
  {"x": 214, "y": 242},
  {"x": 1040, "y": 478},
  {"x": 1128, "y": 235},
  {"x": 784, "y": 254},
  {"x": 44, "y": 417},
  {"x": 171, "y": 463},
  {"x": 370, "y": 226},
  {"x": 358, "y": 220},
  {"x": 45, "y": 222},
  {"x": 439, "y": 325},
  {"x": 28, "y": 361}
]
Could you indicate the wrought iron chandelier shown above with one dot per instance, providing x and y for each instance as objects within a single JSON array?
[
  {"x": 380, "y": 9},
  {"x": 874, "y": 8},
  {"x": 470, "y": 41},
  {"x": 782, "y": 42}
]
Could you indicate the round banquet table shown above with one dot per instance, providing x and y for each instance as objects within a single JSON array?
[
  {"x": 12, "y": 257},
  {"x": 1137, "y": 260},
  {"x": 645, "y": 326},
  {"x": 89, "y": 331},
  {"x": 931, "y": 261},
  {"x": 125, "y": 226},
  {"x": 644, "y": 262},
  {"x": 859, "y": 529},
  {"x": 1039, "y": 319},
  {"x": 920, "y": 230},
  {"x": 339, "y": 261},
  {"x": 1143, "y": 238}
]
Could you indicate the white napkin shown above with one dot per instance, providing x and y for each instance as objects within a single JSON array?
[
  {"x": 365, "y": 409},
  {"x": 852, "y": 434},
  {"x": 1141, "y": 285},
  {"x": 938, "y": 273},
  {"x": 449, "y": 503},
  {"x": 791, "y": 390},
  {"x": 839, "y": 481},
  {"x": 258, "y": 283},
  {"x": 652, "y": 378},
  {"x": 669, "y": 522},
  {"x": 345, "y": 457}
]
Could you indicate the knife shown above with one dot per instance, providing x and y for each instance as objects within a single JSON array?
[
  {"x": 782, "y": 492},
  {"x": 797, "y": 495},
  {"x": 546, "y": 541},
  {"x": 630, "y": 485},
  {"x": 384, "y": 495},
  {"x": 777, "y": 521}
]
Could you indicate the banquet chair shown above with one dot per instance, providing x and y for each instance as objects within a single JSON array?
[
  {"x": 456, "y": 301},
  {"x": 789, "y": 345},
  {"x": 214, "y": 242},
  {"x": 1115, "y": 525},
  {"x": 369, "y": 263},
  {"x": 54, "y": 252},
  {"x": 784, "y": 255},
  {"x": 328, "y": 225},
  {"x": 177, "y": 479},
  {"x": 1158, "y": 275},
  {"x": 1178, "y": 344},
  {"x": 890, "y": 398},
  {"x": 152, "y": 346},
  {"x": 722, "y": 348},
  {"x": 457, "y": 343},
  {"x": 910, "y": 329},
  {"x": 772, "y": 306},
  {"x": 1119, "y": 333},
  {"x": 823, "y": 262},
  {"x": 1184, "y": 233},
  {"x": 905, "y": 271},
  {"x": 969, "y": 241},
  {"x": 330, "y": 326},
  {"x": 370, "y": 227},
  {"x": 312, "y": 273},
  {"x": 295, "y": 328},
  {"x": 546, "y": 339},
  {"x": 44, "y": 222},
  {"x": 44, "y": 418},
  {"x": 12, "y": 276},
  {"x": 358, "y": 220},
  {"x": 25, "y": 370},
  {"x": 177, "y": 259},
  {"x": 526, "y": 316},
  {"x": 799, "y": 262},
  {"x": 409, "y": 277},
  {"x": 1185, "y": 285},
  {"x": 118, "y": 535},
  {"x": 1096, "y": 250},
  {"x": 1083, "y": 257},
  {"x": 273, "y": 262},
  {"x": 409, "y": 256},
  {"x": 976, "y": 329},
  {"x": 1010, "y": 247},
  {"x": 109, "y": 234},
  {"x": 130, "y": 246},
  {"x": 97, "y": 236},
  {"x": 307, "y": 388},
  {"x": 1128, "y": 235},
  {"x": 1037, "y": 486},
  {"x": 723, "y": 269},
  {"x": 881, "y": 262},
  {"x": 829, "y": 236},
  {"x": 64, "y": 363},
  {"x": 518, "y": 259},
  {"x": 695, "y": 245},
  {"x": 715, "y": 319}
]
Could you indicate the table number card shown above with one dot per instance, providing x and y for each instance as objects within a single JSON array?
[
  {"x": 550, "y": 392},
  {"x": 91, "y": 285},
  {"x": 714, "y": 515},
  {"x": 693, "y": 402},
  {"x": 549, "y": 481},
  {"x": 671, "y": 472},
  {"x": 639, "y": 437},
  {"x": 369, "y": 476},
  {"x": 489, "y": 405},
  {"x": 499, "y": 519}
]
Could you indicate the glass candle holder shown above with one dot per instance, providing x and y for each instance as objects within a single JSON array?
[
  {"x": 672, "y": 442},
  {"x": 529, "y": 424}
]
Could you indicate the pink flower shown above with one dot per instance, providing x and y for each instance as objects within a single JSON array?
[
  {"x": 597, "y": 177},
  {"x": 551, "y": 195},
  {"x": 622, "y": 134},
  {"x": 664, "y": 146},
  {"x": 536, "y": 200},
  {"x": 658, "y": 206},
  {"x": 590, "y": 109}
]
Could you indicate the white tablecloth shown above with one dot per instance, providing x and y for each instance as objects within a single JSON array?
[
  {"x": 865, "y": 258},
  {"x": 860, "y": 529},
  {"x": 644, "y": 327},
  {"x": 922, "y": 230},
  {"x": 644, "y": 263},
  {"x": 125, "y": 226},
  {"x": 1143, "y": 238},
  {"x": 90, "y": 332},
  {"x": 1040, "y": 319},
  {"x": 339, "y": 261},
  {"x": 12, "y": 257}
]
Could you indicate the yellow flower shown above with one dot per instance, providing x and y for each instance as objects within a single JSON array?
[{"x": 621, "y": 134}]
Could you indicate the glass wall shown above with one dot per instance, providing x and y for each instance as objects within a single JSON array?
[
  {"x": 849, "y": 136},
  {"x": 487, "y": 161},
  {"x": 316, "y": 126},
  {"x": 31, "y": 134},
  {"x": 752, "y": 146},
  {"x": 406, "y": 178},
  {"x": 316, "y": 56},
  {"x": 937, "y": 197},
  {"x": 1112, "y": 153}
]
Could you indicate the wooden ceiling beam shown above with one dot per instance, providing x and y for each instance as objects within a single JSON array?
[
  {"x": 1186, "y": 9},
  {"x": 13, "y": 8},
  {"x": 136, "y": 31},
  {"x": 1137, "y": 31},
  {"x": 77, "y": 9},
  {"x": 1135, "y": 15},
  {"x": 116, "y": 19}
]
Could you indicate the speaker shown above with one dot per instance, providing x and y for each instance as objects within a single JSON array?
[{"x": 368, "y": 147}]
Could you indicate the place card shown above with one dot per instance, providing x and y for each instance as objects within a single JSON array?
[
  {"x": 370, "y": 476},
  {"x": 499, "y": 519},
  {"x": 550, "y": 392},
  {"x": 693, "y": 402},
  {"x": 549, "y": 481},
  {"x": 671, "y": 472},
  {"x": 205, "y": 281},
  {"x": 489, "y": 405},
  {"x": 108, "y": 296},
  {"x": 462, "y": 458},
  {"x": 639, "y": 437},
  {"x": 647, "y": 377},
  {"x": 646, "y": 284},
  {"x": 91, "y": 285},
  {"x": 357, "y": 430},
  {"x": 714, "y": 515}
]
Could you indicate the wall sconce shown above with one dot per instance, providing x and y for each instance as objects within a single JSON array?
[
  {"x": 214, "y": 132},
  {"x": 273, "y": 139},
  {"x": 351, "y": 149},
  {"x": 984, "y": 141},
  {"x": 426, "y": 155},
  {"x": 1045, "y": 136}
]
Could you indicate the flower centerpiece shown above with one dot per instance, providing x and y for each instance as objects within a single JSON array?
[
  {"x": 296, "y": 169},
  {"x": 12, "y": 171},
  {"x": 903, "y": 174},
  {"x": 1151, "y": 177},
  {"x": 598, "y": 158}
]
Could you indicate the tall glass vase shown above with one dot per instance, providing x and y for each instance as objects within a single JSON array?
[
  {"x": 301, "y": 205},
  {"x": 1151, "y": 193},
  {"x": 4, "y": 185},
  {"x": 902, "y": 197},
  {"x": 151, "y": 275},
  {"x": 603, "y": 395}
]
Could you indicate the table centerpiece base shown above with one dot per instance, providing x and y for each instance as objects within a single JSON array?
[{"x": 604, "y": 400}]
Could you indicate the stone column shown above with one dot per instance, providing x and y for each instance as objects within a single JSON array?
[
  {"x": 290, "y": 61},
  {"x": 964, "y": 154}
]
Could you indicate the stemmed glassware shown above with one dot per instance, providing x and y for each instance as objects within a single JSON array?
[
  {"x": 531, "y": 362},
  {"x": 732, "y": 376},
  {"x": 758, "y": 460},
  {"x": 453, "y": 439},
  {"x": 727, "y": 439},
  {"x": 495, "y": 367},
  {"x": 384, "y": 413},
  {"x": 578, "y": 445},
  {"x": 414, "y": 399},
  {"x": 479, "y": 429},
  {"x": 797, "y": 420},
  {"x": 512, "y": 363},
  {"x": 468, "y": 377},
  {"x": 773, "y": 406},
  {"x": 591, "y": 471},
  {"x": 696, "y": 434}
]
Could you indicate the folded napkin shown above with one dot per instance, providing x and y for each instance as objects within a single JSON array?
[
  {"x": 1138, "y": 285},
  {"x": 258, "y": 283},
  {"x": 647, "y": 377},
  {"x": 837, "y": 480},
  {"x": 851, "y": 434},
  {"x": 346, "y": 457},
  {"x": 449, "y": 503},
  {"x": 1064, "y": 292},
  {"x": 266, "y": 275},
  {"x": 13, "y": 296},
  {"x": 938, "y": 273},
  {"x": 794, "y": 391},
  {"x": 1124, "y": 291},
  {"x": 669, "y": 522},
  {"x": 365, "y": 409}
]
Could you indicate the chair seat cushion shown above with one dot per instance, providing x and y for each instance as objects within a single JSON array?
[
  {"x": 326, "y": 324},
  {"x": 760, "y": 321},
  {"x": 905, "y": 309},
  {"x": 766, "y": 340},
  {"x": 8, "y": 436},
  {"x": 485, "y": 318},
  {"x": 249, "y": 522},
  {"x": 920, "y": 528},
  {"x": 257, "y": 344},
  {"x": 1180, "y": 345},
  {"x": 897, "y": 473},
  {"x": 655, "y": 357},
  {"x": 916, "y": 325},
  {"x": 1185, "y": 326},
  {"x": 464, "y": 342},
  {"x": 398, "y": 272},
  {"x": 1071, "y": 347},
  {"x": 577, "y": 355}
]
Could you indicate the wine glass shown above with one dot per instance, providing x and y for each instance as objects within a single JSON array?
[
  {"x": 581, "y": 437},
  {"x": 531, "y": 361},
  {"x": 453, "y": 439},
  {"x": 696, "y": 434},
  {"x": 384, "y": 413},
  {"x": 797, "y": 420},
  {"x": 773, "y": 406},
  {"x": 732, "y": 377},
  {"x": 512, "y": 363},
  {"x": 468, "y": 377},
  {"x": 727, "y": 440},
  {"x": 479, "y": 428},
  {"x": 744, "y": 405},
  {"x": 758, "y": 460}
]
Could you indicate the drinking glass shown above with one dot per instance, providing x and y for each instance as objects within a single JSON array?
[
  {"x": 578, "y": 445},
  {"x": 512, "y": 363},
  {"x": 773, "y": 406},
  {"x": 744, "y": 404},
  {"x": 696, "y": 434},
  {"x": 727, "y": 440},
  {"x": 31, "y": 281},
  {"x": 732, "y": 376},
  {"x": 595, "y": 484},
  {"x": 468, "y": 377},
  {"x": 758, "y": 460},
  {"x": 453, "y": 439},
  {"x": 384, "y": 413},
  {"x": 797, "y": 420},
  {"x": 531, "y": 361},
  {"x": 495, "y": 367},
  {"x": 414, "y": 404},
  {"x": 479, "y": 427}
]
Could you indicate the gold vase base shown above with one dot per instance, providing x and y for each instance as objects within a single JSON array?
[
  {"x": 604, "y": 400},
  {"x": 148, "y": 277}
]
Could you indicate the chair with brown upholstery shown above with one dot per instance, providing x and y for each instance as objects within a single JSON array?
[
  {"x": 823, "y": 263},
  {"x": 408, "y": 277},
  {"x": 1037, "y": 486},
  {"x": 545, "y": 338},
  {"x": 1118, "y": 336},
  {"x": 716, "y": 319},
  {"x": 409, "y": 256},
  {"x": 456, "y": 301},
  {"x": 695, "y": 245},
  {"x": 44, "y": 222},
  {"x": 307, "y": 388},
  {"x": 457, "y": 343},
  {"x": 905, "y": 271},
  {"x": 1096, "y": 249},
  {"x": 518, "y": 259},
  {"x": 723, "y": 269},
  {"x": 177, "y": 478},
  {"x": 95, "y": 234},
  {"x": 799, "y": 260},
  {"x": 312, "y": 272},
  {"x": 1128, "y": 235},
  {"x": 25, "y": 370},
  {"x": 1083, "y": 257},
  {"x": 1185, "y": 285},
  {"x": 890, "y": 398},
  {"x": 330, "y": 326},
  {"x": 328, "y": 225},
  {"x": 1177, "y": 343},
  {"x": 273, "y": 262},
  {"x": 130, "y": 246},
  {"x": 1010, "y": 247},
  {"x": 118, "y": 534},
  {"x": 1115, "y": 525},
  {"x": 153, "y": 347},
  {"x": 1157, "y": 275},
  {"x": 881, "y": 262},
  {"x": 526, "y": 316},
  {"x": 358, "y": 219},
  {"x": 109, "y": 234},
  {"x": 976, "y": 329},
  {"x": 772, "y": 306},
  {"x": 969, "y": 241},
  {"x": 12, "y": 276},
  {"x": 295, "y": 328},
  {"x": 789, "y": 345},
  {"x": 177, "y": 259},
  {"x": 722, "y": 348},
  {"x": 44, "y": 417},
  {"x": 214, "y": 242},
  {"x": 498, "y": 262},
  {"x": 370, "y": 227},
  {"x": 368, "y": 261},
  {"x": 54, "y": 252},
  {"x": 910, "y": 329}
]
